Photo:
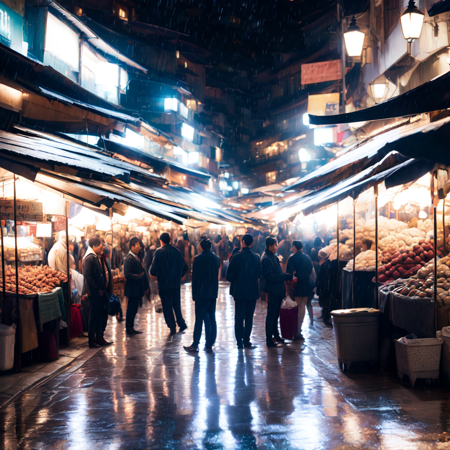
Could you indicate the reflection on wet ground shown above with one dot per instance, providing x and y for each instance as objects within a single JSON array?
[{"x": 146, "y": 392}]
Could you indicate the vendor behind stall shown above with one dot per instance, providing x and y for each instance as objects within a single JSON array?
[{"x": 57, "y": 257}]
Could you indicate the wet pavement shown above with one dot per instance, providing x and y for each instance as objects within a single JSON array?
[{"x": 145, "y": 391}]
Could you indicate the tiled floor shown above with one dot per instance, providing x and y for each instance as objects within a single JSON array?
[
  {"x": 12, "y": 384},
  {"x": 147, "y": 392}
]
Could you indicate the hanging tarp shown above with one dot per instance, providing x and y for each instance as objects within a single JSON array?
[
  {"x": 427, "y": 142},
  {"x": 431, "y": 96}
]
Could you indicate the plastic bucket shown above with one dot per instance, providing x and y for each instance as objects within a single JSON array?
[{"x": 7, "y": 341}]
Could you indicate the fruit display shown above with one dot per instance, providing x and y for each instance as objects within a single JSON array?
[
  {"x": 406, "y": 262},
  {"x": 365, "y": 261},
  {"x": 32, "y": 279},
  {"x": 26, "y": 250}
]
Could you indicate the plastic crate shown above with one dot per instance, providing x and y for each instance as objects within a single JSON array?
[{"x": 419, "y": 359}]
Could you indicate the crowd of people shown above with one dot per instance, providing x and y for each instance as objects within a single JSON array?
[{"x": 257, "y": 267}]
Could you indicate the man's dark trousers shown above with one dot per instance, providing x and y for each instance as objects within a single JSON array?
[
  {"x": 273, "y": 313},
  {"x": 171, "y": 302},
  {"x": 205, "y": 311},
  {"x": 95, "y": 318},
  {"x": 244, "y": 311},
  {"x": 132, "y": 309}
]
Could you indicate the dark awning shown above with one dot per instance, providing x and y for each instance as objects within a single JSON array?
[
  {"x": 407, "y": 172},
  {"x": 439, "y": 8},
  {"x": 425, "y": 142},
  {"x": 151, "y": 160},
  {"x": 431, "y": 96}
]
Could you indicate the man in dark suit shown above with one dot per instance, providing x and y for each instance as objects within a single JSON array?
[
  {"x": 169, "y": 267},
  {"x": 273, "y": 280},
  {"x": 243, "y": 273},
  {"x": 205, "y": 287},
  {"x": 301, "y": 266},
  {"x": 95, "y": 287},
  {"x": 134, "y": 287}
]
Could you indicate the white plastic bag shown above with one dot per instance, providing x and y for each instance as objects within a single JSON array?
[
  {"x": 288, "y": 303},
  {"x": 77, "y": 282}
]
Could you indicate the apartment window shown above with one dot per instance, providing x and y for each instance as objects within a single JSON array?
[
  {"x": 62, "y": 42},
  {"x": 170, "y": 104},
  {"x": 122, "y": 12},
  {"x": 271, "y": 177}
]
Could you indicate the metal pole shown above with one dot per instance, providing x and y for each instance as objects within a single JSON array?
[
  {"x": 18, "y": 353},
  {"x": 5, "y": 307},
  {"x": 354, "y": 253},
  {"x": 5, "y": 311},
  {"x": 443, "y": 227},
  {"x": 376, "y": 245},
  {"x": 68, "y": 289},
  {"x": 435, "y": 264},
  {"x": 343, "y": 62},
  {"x": 337, "y": 251}
]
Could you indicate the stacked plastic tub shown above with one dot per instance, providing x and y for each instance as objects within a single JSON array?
[{"x": 418, "y": 358}]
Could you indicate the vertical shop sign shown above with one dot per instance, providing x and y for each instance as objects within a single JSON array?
[{"x": 30, "y": 211}]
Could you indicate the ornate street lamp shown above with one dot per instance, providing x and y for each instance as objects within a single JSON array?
[
  {"x": 354, "y": 39},
  {"x": 379, "y": 89},
  {"x": 412, "y": 23}
]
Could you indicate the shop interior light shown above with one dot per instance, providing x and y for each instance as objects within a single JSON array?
[
  {"x": 245, "y": 191},
  {"x": 423, "y": 215},
  {"x": 306, "y": 119},
  {"x": 235, "y": 185},
  {"x": 412, "y": 22},
  {"x": 187, "y": 132},
  {"x": 304, "y": 156},
  {"x": 226, "y": 175},
  {"x": 193, "y": 158},
  {"x": 354, "y": 39},
  {"x": 324, "y": 135},
  {"x": 133, "y": 139}
]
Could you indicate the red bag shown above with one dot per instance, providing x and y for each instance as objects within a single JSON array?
[
  {"x": 289, "y": 322},
  {"x": 76, "y": 325}
]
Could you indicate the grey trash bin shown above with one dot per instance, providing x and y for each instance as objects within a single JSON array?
[{"x": 357, "y": 335}]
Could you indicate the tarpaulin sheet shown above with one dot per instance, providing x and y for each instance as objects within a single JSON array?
[
  {"x": 406, "y": 172},
  {"x": 431, "y": 96},
  {"x": 154, "y": 161},
  {"x": 422, "y": 141}
]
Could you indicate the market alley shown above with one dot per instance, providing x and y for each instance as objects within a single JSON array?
[{"x": 145, "y": 391}]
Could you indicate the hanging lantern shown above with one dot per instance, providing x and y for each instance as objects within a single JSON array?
[
  {"x": 412, "y": 22},
  {"x": 354, "y": 39},
  {"x": 379, "y": 89}
]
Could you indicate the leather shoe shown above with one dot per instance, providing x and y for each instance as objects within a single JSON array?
[
  {"x": 208, "y": 349},
  {"x": 272, "y": 344},
  {"x": 130, "y": 333},
  {"x": 137, "y": 332},
  {"x": 94, "y": 345},
  {"x": 191, "y": 349},
  {"x": 173, "y": 332},
  {"x": 102, "y": 342},
  {"x": 249, "y": 345},
  {"x": 184, "y": 327},
  {"x": 280, "y": 340},
  {"x": 240, "y": 346}
]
